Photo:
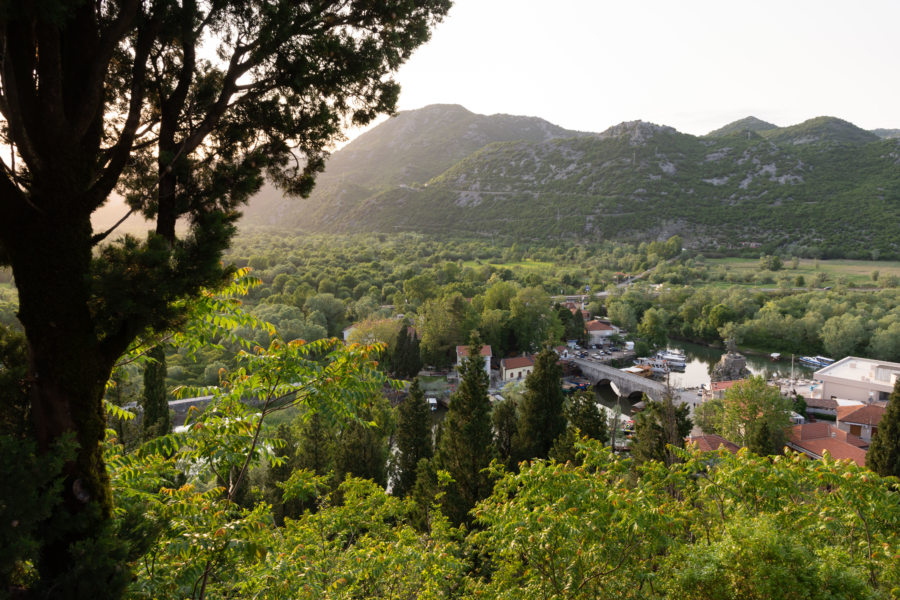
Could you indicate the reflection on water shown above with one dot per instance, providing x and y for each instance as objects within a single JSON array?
[{"x": 700, "y": 360}]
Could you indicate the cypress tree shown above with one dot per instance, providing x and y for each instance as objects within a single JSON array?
[
  {"x": 584, "y": 416},
  {"x": 413, "y": 438},
  {"x": 542, "y": 418},
  {"x": 153, "y": 399},
  {"x": 316, "y": 445},
  {"x": 363, "y": 449},
  {"x": 658, "y": 425},
  {"x": 761, "y": 441},
  {"x": 413, "y": 363},
  {"x": 505, "y": 420},
  {"x": 406, "y": 361},
  {"x": 465, "y": 448},
  {"x": 883, "y": 456},
  {"x": 398, "y": 357}
]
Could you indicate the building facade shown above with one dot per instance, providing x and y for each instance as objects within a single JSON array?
[{"x": 860, "y": 379}]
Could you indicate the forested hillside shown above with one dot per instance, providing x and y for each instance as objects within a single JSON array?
[{"x": 824, "y": 186}]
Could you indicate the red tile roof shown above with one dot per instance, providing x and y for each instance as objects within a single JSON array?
[
  {"x": 596, "y": 325},
  {"x": 711, "y": 443},
  {"x": 827, "y": 403},
  {"x": 517, "y": 362},
  {"x": 816, "y": 438},
  {"x": 869, "y": 414},
  {"x": 719, "y": 386},
  {"x": 846, "y": 409},
  {"x": 464, "y": 351}
]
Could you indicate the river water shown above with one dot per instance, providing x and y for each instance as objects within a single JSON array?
[{"x": 700, "y": 360}]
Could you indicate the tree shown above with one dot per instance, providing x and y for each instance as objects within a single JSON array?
[
  {"x": 413, "y": 438},
  {"x": 622, "y": 313},
  {"x": 103, "y": 96},
  {"x": 533, "y": 319},
  {"x": 883, "y": 456},
  {"x": 406, "y": 360},
  {"x": 584, "y": 417},
  {"x": 659, "y": 425},
  {"x": 653, "y": 327},
  {"x": 542, "y": 419},
  {"x": 153, "y": 399},
  {"x": 843, "y": 334},
  {"x": 750, "y": 402},
  {"x": 760, "y": 440},
  {"x": 444, "y": 322},
  {"x": 708, "y": 416},
  {"x": 465, "y": 448},
  {"x": 769, "y": 262},
  {"x": 363, "y": 444},
  {"x": 505, "y": 420}
]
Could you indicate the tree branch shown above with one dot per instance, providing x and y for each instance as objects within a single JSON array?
[
  {"x": 121, "y": 151},
  {"x": 93, "y": 84}
]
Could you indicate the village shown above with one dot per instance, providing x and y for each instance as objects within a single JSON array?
[{"x": 842, "y": 402}]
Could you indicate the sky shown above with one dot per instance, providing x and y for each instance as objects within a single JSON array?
[{"x": 694, "y": 65}]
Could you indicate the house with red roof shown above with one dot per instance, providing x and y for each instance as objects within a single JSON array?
[
  {"x": 712, "y": 443},
  {"x": 860, "y": 420},
  {"x": 516, "y": 368},
  {"x": 814, "y": 439},
  {"x": 463, "y": 352},
  {"x": 598, "y": 330},
  {"x": 717, "y": 389}
]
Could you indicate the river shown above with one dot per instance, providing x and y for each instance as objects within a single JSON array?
[{"x": 700, "y": 359}]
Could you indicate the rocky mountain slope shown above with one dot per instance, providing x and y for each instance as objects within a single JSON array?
[{"x": 824, "y": 187}]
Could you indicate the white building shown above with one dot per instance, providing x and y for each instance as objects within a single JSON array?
[
  {"x": 598, "y": 331},
  {"x": 463, "y": 352},
  {"x": 861, "y": 379}
]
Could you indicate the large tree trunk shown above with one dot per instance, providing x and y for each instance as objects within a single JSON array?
[{"x": 51, "y": 258}]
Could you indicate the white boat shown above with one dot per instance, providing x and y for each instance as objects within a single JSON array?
[
  {"x": 673, "y": 359},
  {"x": 816, "y": 361},
  {"x": 657, "y": 365}
]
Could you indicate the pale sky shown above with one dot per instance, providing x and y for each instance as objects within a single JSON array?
[{"x": 692, "y": 64}]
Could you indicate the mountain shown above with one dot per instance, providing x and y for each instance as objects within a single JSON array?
[
  {"x": 742, "y": 125},
  {"x": 821, "y": 130},
  {"x": 407, "y": 149},
  {"x": 887, "y": 133},
  {"x": 824, "y": 187}
]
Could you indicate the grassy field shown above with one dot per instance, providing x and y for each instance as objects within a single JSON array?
[
  {"x": 853, "y": 273},
  {"x": 523, "y": 265}
]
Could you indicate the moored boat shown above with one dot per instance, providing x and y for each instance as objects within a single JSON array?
[
  {"x": 816, "y": 361},
  {"x": 657, "y": 365},
  {"x": 673, "y": 360}
]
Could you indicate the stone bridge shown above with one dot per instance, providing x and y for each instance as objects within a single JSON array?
[
  {"x": 623, "y": 384},
  {"x": 178, "y": 408},
  {"x": 629, "y": 386}
]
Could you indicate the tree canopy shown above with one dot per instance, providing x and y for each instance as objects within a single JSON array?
[{"x": 183, "y": 108}]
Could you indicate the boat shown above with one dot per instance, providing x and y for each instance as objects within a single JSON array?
[
  {"x": 672, "y": 356},
  {"x": 673, "y": 360},
  {"x": 816, "y": 361},
  {"x": 775, "y": 356},
  {"x": 639, "y": 370},
  {"x": 657, "y": 365}
]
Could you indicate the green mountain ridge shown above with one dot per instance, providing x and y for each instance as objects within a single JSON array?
[
  {"x": 823, "y": 187},
  {"x": 742, "y": 125},
  {"x": 409, "y": 148}
]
